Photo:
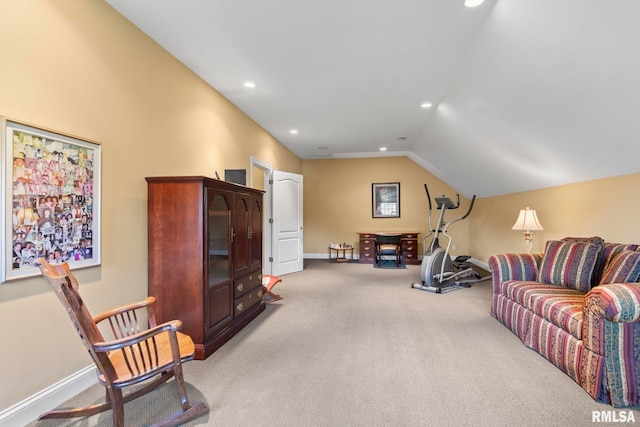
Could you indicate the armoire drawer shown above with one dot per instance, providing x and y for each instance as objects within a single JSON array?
[
  {"x": 246, "y": 301},
  {"x": 246, "y": 283}
]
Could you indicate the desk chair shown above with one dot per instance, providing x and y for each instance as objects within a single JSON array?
[
  {"x": 388, "y": 244},
  {"x": 135, "y": 354}
]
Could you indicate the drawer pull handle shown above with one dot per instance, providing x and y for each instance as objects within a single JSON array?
[
  {"x": 367, "y": 254},
  {"x": 240, "y": 287},
  {"x": 240, "y": 307},
  {"x": 260, "y": 293}
]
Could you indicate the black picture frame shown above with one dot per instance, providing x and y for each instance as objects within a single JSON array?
[{"x": 385, "y": 200}]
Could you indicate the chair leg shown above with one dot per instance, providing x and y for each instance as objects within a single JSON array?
[
  {"x": 182, "y": 390},
  {"x": 117, "y": 405},
  {"x": 188, "y": 411}
]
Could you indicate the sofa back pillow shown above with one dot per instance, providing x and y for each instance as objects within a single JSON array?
[
  {"x": 597, "y": 270},
  {"x": 569, "y": 264},
  {"x": 623, "y": 267},
  {"x": 607, "y": 253}
]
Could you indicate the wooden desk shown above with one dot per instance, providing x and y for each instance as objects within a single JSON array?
[
  {"x": 409, "y": 247},
  {"x": 344, "y": 250}
]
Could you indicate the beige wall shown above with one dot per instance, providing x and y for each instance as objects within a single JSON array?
[
  {"x": 606, "y": 207},
  {"x": 79, "y": 67},
  {"x": 337, "y": 201}
]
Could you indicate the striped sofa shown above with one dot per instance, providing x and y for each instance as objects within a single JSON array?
[{"x": 578, "y": 305}]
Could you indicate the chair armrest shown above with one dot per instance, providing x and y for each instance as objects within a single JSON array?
[
  {"x": 615, "y": 302},
  {"x": 147, "y": 303},
  {"x": 107, "y": 346}
]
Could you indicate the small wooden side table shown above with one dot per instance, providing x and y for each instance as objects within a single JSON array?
[{"x": 341, "y": 253}]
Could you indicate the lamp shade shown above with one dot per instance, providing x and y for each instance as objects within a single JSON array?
[{"x": 527, "y": 221}]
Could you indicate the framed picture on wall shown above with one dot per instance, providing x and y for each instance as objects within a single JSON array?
[
  {"x": 385, "y": 200},
  {"x": 51, "y": 199}
]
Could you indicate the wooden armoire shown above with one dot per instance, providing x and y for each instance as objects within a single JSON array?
[{"x": 205, "y": 256}]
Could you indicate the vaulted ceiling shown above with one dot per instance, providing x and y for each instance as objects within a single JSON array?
[{"x": 524, "y": 94}]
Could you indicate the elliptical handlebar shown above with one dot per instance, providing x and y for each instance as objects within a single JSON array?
[
  {"x": 430, "y": 208},
  {"x": 473, "y": 200},
  {"x": 428, "y": 197},
  {"x": 448, "y": 204}
]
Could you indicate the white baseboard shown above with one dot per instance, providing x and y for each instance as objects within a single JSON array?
[
  {"x": 30, "y": 409},
  {"x": 316, "y": 256},
  {"x": 477, "y": 262},
  {"x": 482, "y": 265}
]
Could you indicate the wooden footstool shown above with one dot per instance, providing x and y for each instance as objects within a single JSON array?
[{"x": 268, "y": 282}]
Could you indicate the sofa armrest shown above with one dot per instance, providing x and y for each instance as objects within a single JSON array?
[
  {"x": 611, "y": 331},
  {"x": 514, "y": 267},
  {"x": 615, "y": 302}
]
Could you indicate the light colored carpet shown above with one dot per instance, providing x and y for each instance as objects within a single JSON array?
[{"x": 350, "y": 345}]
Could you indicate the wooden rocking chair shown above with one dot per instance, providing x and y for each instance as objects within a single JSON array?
[{"x": 135, "y": 355}]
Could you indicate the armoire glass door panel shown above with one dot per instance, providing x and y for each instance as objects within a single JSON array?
[
  {"x": 219, "y": 224},
  {"x": 241, "y": 236}
]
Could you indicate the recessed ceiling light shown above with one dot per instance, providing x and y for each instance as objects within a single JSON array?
[
  {"x": 473, "y": 3},
  {"x": 426, "y": 105},
  {"x": 249, "y": 84},
  {"x": 383, "y": 148},
  {"x": 293, "y": 131}
]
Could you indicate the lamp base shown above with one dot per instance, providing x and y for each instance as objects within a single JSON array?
[{"x": 528, "y": 237}]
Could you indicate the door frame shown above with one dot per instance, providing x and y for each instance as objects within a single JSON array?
[{"x": 267, "y": 209}]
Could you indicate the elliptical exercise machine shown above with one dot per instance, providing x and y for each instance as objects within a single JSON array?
[{"x": 437, "y": 270}]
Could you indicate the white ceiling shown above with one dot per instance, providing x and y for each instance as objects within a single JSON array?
[{"x": 526, "y": 94}]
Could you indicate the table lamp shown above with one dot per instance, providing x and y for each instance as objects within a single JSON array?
[{"x": 527, "y": 221}]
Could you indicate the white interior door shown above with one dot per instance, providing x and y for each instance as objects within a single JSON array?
[{"x": 287, "y": 223}]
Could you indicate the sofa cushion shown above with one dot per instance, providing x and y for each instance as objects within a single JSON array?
[
  {"x": 569, "y": 264},
  {"x": 622, "y": 267},
  {"x": 521, "y": 291},
  {"x": 564, "y": 311},
  {"x": 557, "y": 304}
]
